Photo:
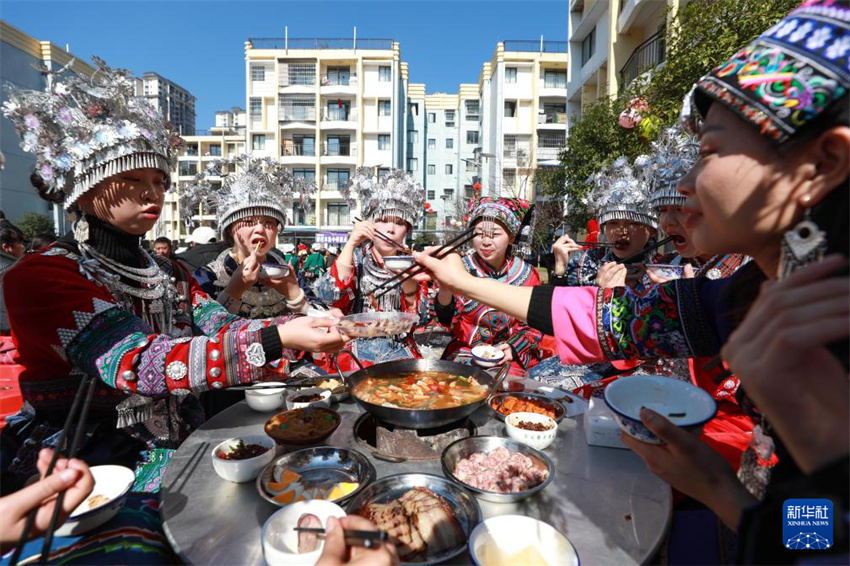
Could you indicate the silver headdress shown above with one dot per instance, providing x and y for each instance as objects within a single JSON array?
[
  {"x": 394, "y": 195},
  {"x": 675, "y": 154},
  {"x": 618, "y": 194},
  {"x": 250, "y": 186},
  {"x": 83, "y": 131}
]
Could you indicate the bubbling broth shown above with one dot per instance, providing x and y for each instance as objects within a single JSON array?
[{"x": 421, "y": 390}]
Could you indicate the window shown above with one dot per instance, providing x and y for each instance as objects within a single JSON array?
[
  {"x": 306, "y": 174},
  {"x": 470, "y": 165},
  {"x": 258, "y": 142},
  {"x": 302, "y": 74},
  {"x": 510, "y": 108},
  {"x": 338, "y": 145},
  {"x": 384, "y": 108},
  {"x": 215, "y": 149},
  {"x": 472, "y": 110},
  {"x": 338, "y": 76},
  {"x": 508, "y": 178},
  {"x": 338, "y": 214},
  {"x": 448, "y": 169},
  {"x": 258, "y": 73},
  {"x": 231, "y": 148},
  {"x": 448, "y": 193},
  {"x": 469, "y": 191},
  {"x": 450, "y": 118},
  {"x": 299, "y": 214},
  {"x": 555, "y": 79},
  {"x": 303, "y": 145},
  {"x": 413, "y": 108},
  {"x": 432, "y": 194},
  {"x": 588, "y": 47},
  {"x": 256, "y": 107},
  {"x": 336, "y": 179},
  {"x": 192, "y": 149},
  {"x": 472, "y": 136},
  {"x": 383, "y": 172},
  {"x": 450, "y": 143},
  {"x": 413, "y": 136},
  {"x": 300, "y": 109},
  {"x": 432, "y": 117},
  {"x": 432, "y": 169},
  {"x": 384, "y": 74},
  {"x": 339, "y": 110},
  {"x": 432, "y": 143},
  {"x": 188, "y": 168},
  {"x": 383, "y": 142},
  {"x": 431, "y": 222},
  {"x": 412, "y": 164},
  {"x": 510, "y": 75}
]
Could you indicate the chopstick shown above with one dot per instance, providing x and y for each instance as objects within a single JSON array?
[
  {"x": 388, "y": 240},
  {"x": 646, "y": 250},
  {"x": 717, "y": 361},
  {"x": 366, "y": 539},
  {"x": 597, "y": 244},
  {"x": 257, "y": 247},
  {"x": 416, "y": 269},
  {"x": 86, "y": 389},
  {"x": 261, "y": 386}
]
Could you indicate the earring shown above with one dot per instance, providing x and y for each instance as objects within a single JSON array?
[
  {"x": 802, "y": 245},
  {"x": 81, "y": 229}
]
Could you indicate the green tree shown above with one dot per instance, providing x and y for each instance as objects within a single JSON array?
[{"x": 33, "y": 223}]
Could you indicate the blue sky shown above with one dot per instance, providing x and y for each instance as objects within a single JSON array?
[{"x": 199, "y": 43}]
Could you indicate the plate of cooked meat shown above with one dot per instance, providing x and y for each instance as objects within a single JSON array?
[{"x": 428, "y": 517}]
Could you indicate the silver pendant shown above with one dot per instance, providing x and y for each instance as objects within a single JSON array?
[{"x": 804, "y": 244}]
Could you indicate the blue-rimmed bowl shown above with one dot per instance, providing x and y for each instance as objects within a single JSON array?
[
  {"x": 487, "y": 356},
  {"x": 684, "y": 404},
  {"x": 666, "y": 271}
]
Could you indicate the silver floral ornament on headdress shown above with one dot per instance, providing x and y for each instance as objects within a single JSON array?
[
  {"x": 618, "y": 194},
  {"x": 394, "y": 195},
  {"x": 249, "y": 186},
  {"x": 85, "y": 130},
  {"x": 674, "y": 155}
]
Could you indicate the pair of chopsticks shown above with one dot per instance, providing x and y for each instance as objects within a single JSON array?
[
  {"x": 366, "y": 539},
  {"x": 416, "y": 269},
  {"x": 85, "y": 390},
  {"x": 389, "y": 240},
  {"x": 261, "y": 386},
  {"x": 597, "y": 244},
  {"x": 646, "y": 250}
]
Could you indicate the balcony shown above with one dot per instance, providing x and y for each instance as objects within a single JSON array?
[
  {"x": 291, "y": 152},
  {"x": 646, "y": 56},
  {"x": 339, "y": 85},
  {"x": 296, "y": 114},
  {"x": 344, "y": 153},
  {"x": 548, "y": 153},
  {"x": 334, "y": 117},
  {"x": 556, "y": 119}
]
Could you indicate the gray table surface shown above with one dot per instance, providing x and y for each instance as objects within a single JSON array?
[{"x": 604, "y": 500}]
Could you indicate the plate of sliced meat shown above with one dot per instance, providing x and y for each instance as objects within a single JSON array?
[{"x": 428, "y": 517}]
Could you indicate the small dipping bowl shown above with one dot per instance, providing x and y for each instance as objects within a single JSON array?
[
  {"x": 241, "y": 471},
  {"x": 666, "y": 271},
  {"x": 398, "y": 262},
  {"x": 273, "y": 271},
  {"x": 265, "y": 399},
  {"x": 325, "y": 400},
  {"x": 111, "y": 485},
  {"x": 487, "y": 356},
  {"x": 536, "y": 439},
  {"x": 280, "y": 539},
  {"x": 517, "y": 539},
  {"x": 685, "y": 405}
]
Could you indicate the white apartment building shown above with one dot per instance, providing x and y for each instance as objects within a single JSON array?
[
  {"x": 325, "y": 107},
  {"x": 175, "y": 103},
  {"x": 523, "y": 92},
  {"x": 611, "y": 44}
]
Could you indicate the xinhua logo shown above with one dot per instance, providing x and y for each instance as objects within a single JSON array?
[{"x": 807, "y": 524}]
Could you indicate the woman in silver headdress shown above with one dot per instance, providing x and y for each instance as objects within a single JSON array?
[{"x": 391, "y": 205}]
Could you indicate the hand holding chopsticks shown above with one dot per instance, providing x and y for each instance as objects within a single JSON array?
[
  {"x": 341, "y": 548},
  {"x": 387, "y": 239},
  {"x": 366, "y": 539}
]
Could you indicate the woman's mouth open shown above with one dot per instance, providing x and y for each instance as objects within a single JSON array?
[
  {"x": 151, "y": 212},
  {"x": 622, "y": 244}
]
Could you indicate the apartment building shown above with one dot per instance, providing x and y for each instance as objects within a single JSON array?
[
  {"x": 175, "y": 103},
  {"x": 21, "y": 55},
  {"x": 523, "y": 93},
  {"x": 611, "y": 43},
  {"x": 325, "y": 107}
]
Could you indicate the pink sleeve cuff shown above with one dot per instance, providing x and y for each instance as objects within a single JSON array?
[{"x": 574, "y": 321}]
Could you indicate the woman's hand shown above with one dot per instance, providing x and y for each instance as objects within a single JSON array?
[
  {"x": 286, "y": 285},
  {"x": 449, "y": 272},
  {"x": 244, "y": 277},
  {"x": 311, "y": 334},
  {"x": 692, "y": 467},
  {"x": 71, "y": 476},
  {"x": 337, "y": 553},
  {"x": 562, "y": 248},
  {"x": 612, "y": 274},
  {"x": 687, "y": 273},
  {"x": 780, "y": 354},
  {"x": 363, "y": 231},
  {"x": 506, "y": 349}
]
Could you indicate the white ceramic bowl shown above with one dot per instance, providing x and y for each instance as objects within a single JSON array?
[
  {"x": 241, "y": 471},
  {"x": 280, "y": 541},
  {"x": 267, "y": 399},
  {"x": 666, "y": 271},
  {"x": 398, "y": 262},
  {"x": 487, "y": 356},
  {"x": 111, "y": 482},
  {"x": 535, "y": 439},
  {"x": 273, "y": 271},
  {"x": 498, "y": 540},
  {"x": 684, "y": 404},
  {"x": 325, "y": 401}
]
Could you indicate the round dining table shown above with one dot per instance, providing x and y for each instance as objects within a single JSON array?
[{"x": 605, "y": 500}]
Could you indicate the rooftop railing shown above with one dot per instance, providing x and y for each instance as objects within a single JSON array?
[
  {"x": 531, "y": 46},
  {"x": 319, "y": 43}
]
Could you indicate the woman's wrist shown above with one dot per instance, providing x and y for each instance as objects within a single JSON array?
[{"x": 229, "y": 302}]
